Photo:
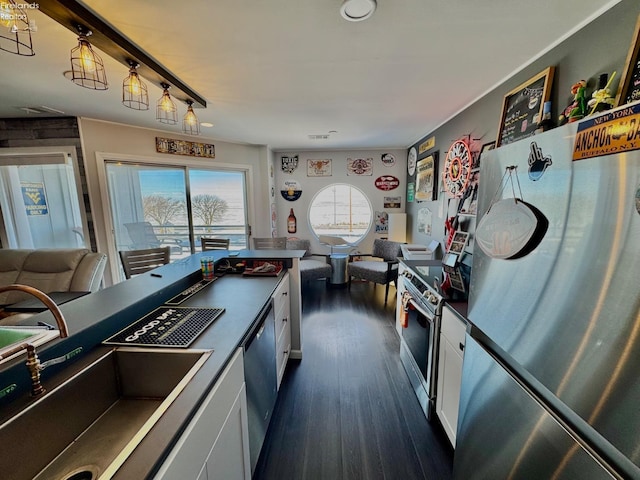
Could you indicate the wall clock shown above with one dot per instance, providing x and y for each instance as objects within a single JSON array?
[
  {"x": 457, "y": 167},
  {"x": 411, "y": 161}
]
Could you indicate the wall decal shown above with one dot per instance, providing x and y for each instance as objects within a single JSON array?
[{"x": 538, "y": 162}]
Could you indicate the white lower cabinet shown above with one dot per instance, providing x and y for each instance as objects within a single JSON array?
[
  {"x": 215, "y": 445},
  {"x": 281, "y": 305},
  {"x": 451, "y": 354}
]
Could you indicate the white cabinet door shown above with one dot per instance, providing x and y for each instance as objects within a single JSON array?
[
  {"x": 452, "y": 340},
  {"x": 216, "y": 416},
  {"x": 227, "y": 459},
  {"x": 281, "y": 306}
]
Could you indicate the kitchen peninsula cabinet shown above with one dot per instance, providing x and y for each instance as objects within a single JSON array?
[
  {"x": 215, "y": 444},
  {"x": 281, "y": 306},
  {"x": 452, "y": 341}
]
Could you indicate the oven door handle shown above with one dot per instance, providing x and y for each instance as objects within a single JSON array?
[{"x": 429, "y": 316}]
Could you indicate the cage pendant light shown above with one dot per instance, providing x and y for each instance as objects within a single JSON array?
[
  {"x": 190, "y": 123},
  {"x": 15, "y": 29},
  {"x": 87, "y": 68},
  {"x": 134, "y": 90},
  {"x": 166, "y": 110}
]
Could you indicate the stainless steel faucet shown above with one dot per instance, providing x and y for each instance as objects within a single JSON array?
[{"x": 33, "y": 363}]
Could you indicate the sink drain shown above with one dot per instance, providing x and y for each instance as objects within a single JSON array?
[{"x": 84, "y": 473}]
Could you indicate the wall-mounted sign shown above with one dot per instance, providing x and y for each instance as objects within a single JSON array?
[
  {"x": 388, "y": 160},
  {"x": 426, "y": 145},
  {"x": 387, "y": 182},
  {"x": 522, "y": 108},
  {"x": 291, "y": 191},
  {"x": 412, "y": 158},
  {"x": 614, "y": 132},
  {"x": 457, "y": 168},
  {"x": 426, "y": 178},
  {"x": 35, "y": 199},
  {"x": 289, "y": 164},
  {"x": 359, "y": 166},
  {"x": 382, "y": 222},
  {"x": 183, "y": 147},
  {"x": 411, "y": 192},
  {"x": 392, "y": 202},
  {"x": 319, "y": 168}
]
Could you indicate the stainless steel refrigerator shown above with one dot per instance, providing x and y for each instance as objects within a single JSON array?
[{"x": 551, "y": 375}]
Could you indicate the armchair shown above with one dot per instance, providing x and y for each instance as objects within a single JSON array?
[
  {"x": 310, "y": 269},
  {"x": 382, "y": 268}
]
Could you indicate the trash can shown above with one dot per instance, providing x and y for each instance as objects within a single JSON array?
[{"x": 338, "y": 263}]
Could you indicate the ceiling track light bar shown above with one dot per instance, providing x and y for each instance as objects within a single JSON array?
[{"x": 72, "y": 14}]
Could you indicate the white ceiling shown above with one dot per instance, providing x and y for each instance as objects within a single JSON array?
[{"x": 275, "y": 71}]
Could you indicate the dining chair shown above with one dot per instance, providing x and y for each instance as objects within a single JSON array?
[
  {"x": 268, "y": 243},
  {"x": 214, "y": 243},
  {"x": 136, "y": 262}
]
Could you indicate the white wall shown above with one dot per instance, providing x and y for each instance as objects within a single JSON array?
[
  {"x": 311, "y": 185},
  {"x": 139, "y": 143}
]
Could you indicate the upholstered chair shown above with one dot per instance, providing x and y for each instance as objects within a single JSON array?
[
  {"x": 310, "y": 268},
  {"x": 381, "y": 266}
]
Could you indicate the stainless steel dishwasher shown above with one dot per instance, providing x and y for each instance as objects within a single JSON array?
[{"x": 261, "y": 379}]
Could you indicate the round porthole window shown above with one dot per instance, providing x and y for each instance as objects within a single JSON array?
[{"x": 341, "y": 210}]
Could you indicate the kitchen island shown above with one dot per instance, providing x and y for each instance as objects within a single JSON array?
[{"x": 95, "y": 317}]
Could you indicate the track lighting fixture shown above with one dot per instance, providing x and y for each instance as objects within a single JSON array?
[
  {"x": 87, "y": 68},
  {"x": 15, "y": 29},
  {"x": 134, "y": 90},
  {"x": 190, "y": 123},
  {"x": 166, "y": 110}
]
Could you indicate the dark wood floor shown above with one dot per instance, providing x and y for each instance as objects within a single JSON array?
[{"x": 347, "y": 410}]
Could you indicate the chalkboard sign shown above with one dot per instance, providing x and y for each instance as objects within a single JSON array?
[
  {"x": 522, "y": 108},
  {"x": 629, "y": 89}
]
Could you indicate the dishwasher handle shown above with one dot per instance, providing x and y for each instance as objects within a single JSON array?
[{"x": 258, "y": 330}]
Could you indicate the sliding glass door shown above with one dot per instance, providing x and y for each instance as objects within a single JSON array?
[
  {"x": 158, "y": 205},
  {"x": 39, "y": 202}
]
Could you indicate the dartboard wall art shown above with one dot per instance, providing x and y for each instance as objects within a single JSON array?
[{"x": 457, "y": 169}]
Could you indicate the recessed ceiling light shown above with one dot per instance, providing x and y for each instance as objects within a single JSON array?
[
  {"x": 206, "y": 124},
  {"x": 357, "y": 10}
]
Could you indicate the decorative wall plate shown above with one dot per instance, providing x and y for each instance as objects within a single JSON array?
[{"x": 457, "y": 168}]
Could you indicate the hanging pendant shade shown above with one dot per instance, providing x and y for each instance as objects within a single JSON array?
[
  {"x": 134, "y": 90},
  {"x": 190, "y": 123},
  {"x": 15, "y": 29},
  {"x": 87, "y": 68},
  {"x": 166, "y": 110}
]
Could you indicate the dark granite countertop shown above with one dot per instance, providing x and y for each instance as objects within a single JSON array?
[{"x": 95, "y": 317}]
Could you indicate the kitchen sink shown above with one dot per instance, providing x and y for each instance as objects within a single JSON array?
[
  {"x": 87, "y": 427},
  {"x": 11, "y": 336}
]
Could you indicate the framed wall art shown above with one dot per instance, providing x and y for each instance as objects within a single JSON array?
[
  {"x": 629, "y": 88},
  {"x": 426, "y": 170},
  {"x": 522, "y": 107}
]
